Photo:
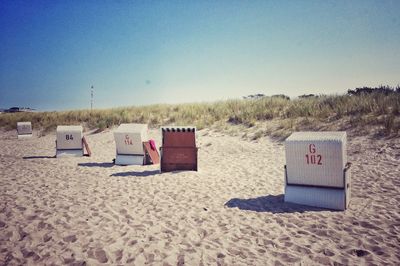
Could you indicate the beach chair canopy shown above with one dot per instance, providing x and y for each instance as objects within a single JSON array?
[
  {"x": 129, "y": 138},
  {"x": 317, "y": 173},
  {"x": 24, "y": 128},
  {"x": 69, "y": 137},
  {"x": 316, "y": 158}
]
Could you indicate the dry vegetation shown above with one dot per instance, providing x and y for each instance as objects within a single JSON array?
[{"x": 373, "y": 113}]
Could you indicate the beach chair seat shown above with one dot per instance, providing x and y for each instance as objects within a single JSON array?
[{"x": 178, "y": 151}]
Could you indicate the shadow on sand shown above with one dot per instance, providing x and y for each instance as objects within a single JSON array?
[
  {"x": 104, "y": 165},
  {"x": 270, "y": 203},
  {"x": 135, "y": 173},
  {"x": 38, "y": 157}
]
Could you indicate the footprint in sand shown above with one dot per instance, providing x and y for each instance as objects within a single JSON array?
[
  {"x": 288, "y": 258},
  {"x": 149, "y": 258},
  {"x": 322, "y": 260},
  {"x": 368, "y": 225},
  {"x": 22, "y": 234},
  {"x": 377, "y": 250},
  {"x": 41, "y": 225},
  {"x": 278, "y": 263},
  {"x": 132, "y": 243},
  {"x": 29, "y": 254},
  {"x": 302, "y": 250},
  {"x": 220, "y": 256},
  {"x": 78, "y": 263},
  {"x": 181, "y": 260},
  {"x": 46, "y": 238},
  {"x": 118, "y": 255},
  {"x": 71, "y": 238},
  {"x": 360, "y": 252},
  {"x": 99, "y": 254},
  {"x": 328, "y": 252}
]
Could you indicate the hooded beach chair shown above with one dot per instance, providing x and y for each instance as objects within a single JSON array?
[
  {"x": 129, "y": 140},
  {"x": 178, "y": 151},
  {"x": 24, "y": 130},
  {"x": 70, "y": 141},
  {"x": 316, "y": 171}
]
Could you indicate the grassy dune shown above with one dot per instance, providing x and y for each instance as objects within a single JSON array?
[{"x": 373, "y": 113}]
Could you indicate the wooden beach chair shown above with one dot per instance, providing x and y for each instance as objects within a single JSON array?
[
  {"x": 129, "y": 140},
  {"x": 178, "y": 151},
  {"x": 24, "y": 130},
  {"x": 317, "y": 172},
  {"x": 69, "y": 141}
]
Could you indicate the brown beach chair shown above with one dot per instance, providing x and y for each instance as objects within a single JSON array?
[{"x": 178, "y": 151}]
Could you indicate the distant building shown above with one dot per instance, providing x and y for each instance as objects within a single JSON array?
[
  {"x": 254, "y": 96},
  {"x": 18, "y": 109},
  {"x": 13, "y": 110}
]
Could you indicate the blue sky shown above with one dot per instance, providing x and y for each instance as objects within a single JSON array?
[{"x": 144, "y": 52}]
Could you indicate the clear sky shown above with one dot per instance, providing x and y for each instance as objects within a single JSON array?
[{"x": 144, "y": 52}]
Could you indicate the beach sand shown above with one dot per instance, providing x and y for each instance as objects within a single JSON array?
[{"x": 231, "y": 212}]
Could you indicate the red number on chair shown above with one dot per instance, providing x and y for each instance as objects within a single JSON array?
[
  {"x": 313, "y": 158},
  {"x": 128, "y": 141}
]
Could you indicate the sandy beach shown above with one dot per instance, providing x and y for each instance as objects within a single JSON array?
[{"x": 85, "y": 210}]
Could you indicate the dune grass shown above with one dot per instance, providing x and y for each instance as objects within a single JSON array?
[{"x": 362, "y": 112}]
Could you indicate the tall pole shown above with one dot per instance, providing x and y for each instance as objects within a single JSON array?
[{"x": 91, "y": 98}]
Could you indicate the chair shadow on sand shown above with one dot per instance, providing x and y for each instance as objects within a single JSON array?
[
  {"x": 38, "y": 157},
  {"x": 270, "y": 203},
  {"x": 135, "y": 173},
  {"x": 104, "y": 165}
]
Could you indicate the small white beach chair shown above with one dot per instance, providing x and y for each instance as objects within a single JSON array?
[
  {"x": 129, "y": 140},
  {"x": 24, "y": 130},
  {"x": 316, "y": 171},
  {"x": 69, "y": 141}
]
